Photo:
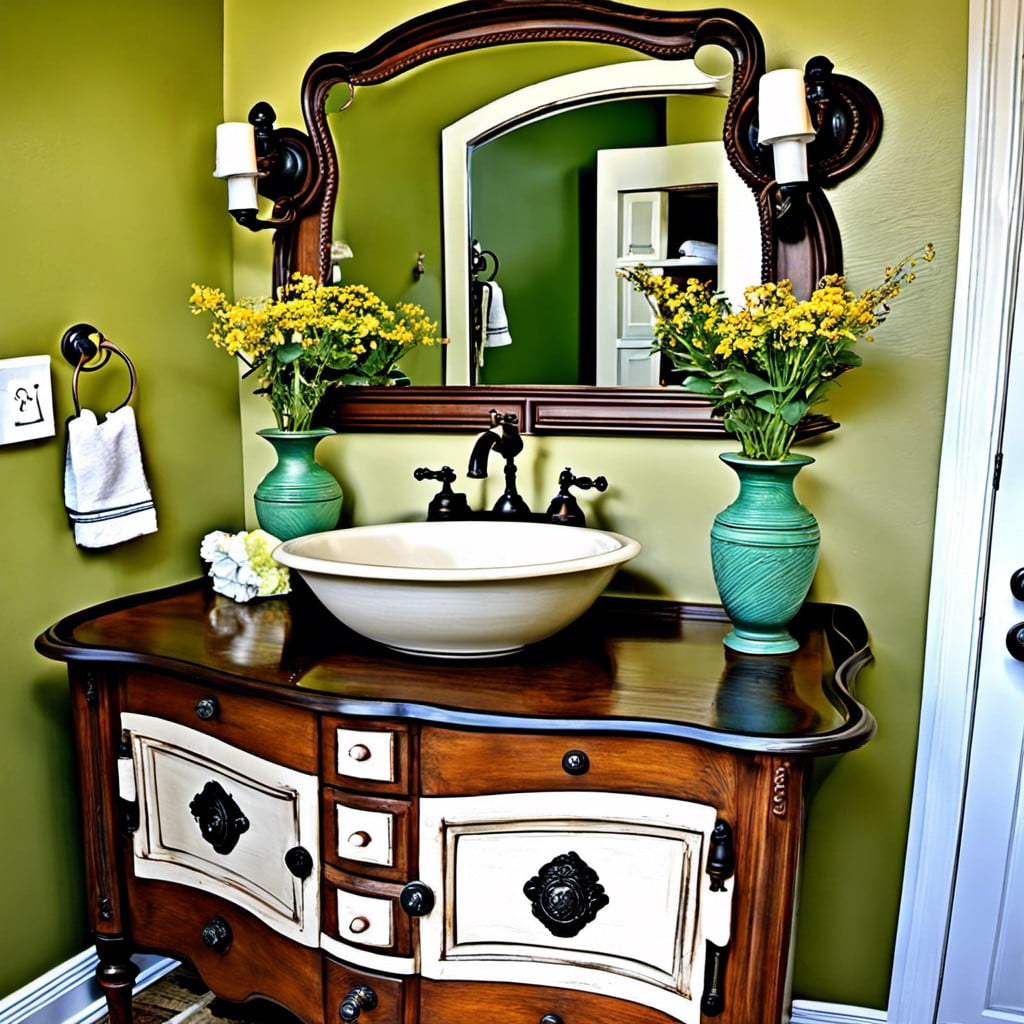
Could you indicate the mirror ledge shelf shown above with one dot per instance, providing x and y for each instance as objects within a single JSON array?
[{"x": 581, "y": 410}]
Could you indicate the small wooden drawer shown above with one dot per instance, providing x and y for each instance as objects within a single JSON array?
[
  {"x": 384, "y": 1006},
  {"x": 528, "y": 1004},
  {"x": 365, "y": 913},
  {"x": 370, "y": 758},
  {"x": 457, "y": 763},
  {"x": 367, "y": 834},
  {"x": 277, "y": 732},
  {"x": 236, "y": 954}
]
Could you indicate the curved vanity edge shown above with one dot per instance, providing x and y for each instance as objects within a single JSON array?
[
  {"x": 841, "y": 628},
  {"x": 57, "y": 643}
]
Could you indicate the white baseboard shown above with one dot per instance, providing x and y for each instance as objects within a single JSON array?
[
  {"x": 69, "y": 994},
  {"x": 806, "y": 1011}
]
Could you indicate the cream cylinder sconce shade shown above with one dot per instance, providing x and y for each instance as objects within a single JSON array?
[
  {"x": 784, "y": 122},
  {"x": 236, "y": 161}
]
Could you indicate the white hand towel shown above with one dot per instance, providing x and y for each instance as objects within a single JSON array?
[
  {"x": 697, "y": 252},
  {"x": 105, "y": 489},
  {"x": 496, "y": 331}
]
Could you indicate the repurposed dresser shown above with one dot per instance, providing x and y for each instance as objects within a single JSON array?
[{"x": 603, "y": 829}]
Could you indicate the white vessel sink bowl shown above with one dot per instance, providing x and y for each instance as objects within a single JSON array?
[{"x": 472, "y": 589}]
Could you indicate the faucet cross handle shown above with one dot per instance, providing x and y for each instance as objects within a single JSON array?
[
  {"x": 446, "y": 504},
  {"x": 564, "y": 508}
]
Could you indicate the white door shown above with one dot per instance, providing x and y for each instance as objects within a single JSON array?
[
  {"x": 983, "y": 976},
  {"x": 626, "y": 181}
]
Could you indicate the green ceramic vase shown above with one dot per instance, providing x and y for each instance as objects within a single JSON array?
[
  {"x": 764, "y": 550},
  {"x": 298, "y": 496}
]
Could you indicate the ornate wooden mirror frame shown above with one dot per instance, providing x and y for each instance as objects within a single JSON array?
[{"x": 799, "y": 235}]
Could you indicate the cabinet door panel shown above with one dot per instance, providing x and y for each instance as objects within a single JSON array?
[
  {"x": 599, "y": 892},
  {"x": 186, "y": 784}
]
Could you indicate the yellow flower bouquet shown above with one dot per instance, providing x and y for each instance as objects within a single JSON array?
[
  {"x": 310, "y": 337},
  {"x": 766, "y": 364}
]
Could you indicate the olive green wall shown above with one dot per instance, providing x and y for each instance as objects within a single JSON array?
[
  {"x": 873, "y": 487},
  {"x": 109, "y": 214}
]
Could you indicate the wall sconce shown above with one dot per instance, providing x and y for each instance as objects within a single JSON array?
[
  {"x": 279, "y": 164},
  {"x": 784, "y": 123},
  {"x": 258, "y": 159}
]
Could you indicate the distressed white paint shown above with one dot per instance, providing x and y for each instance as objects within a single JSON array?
[
  {"x": 366, "y": 754},
  {"x": 649, "y": 853},
  {"x": 366, "y": 836},
  {"x": 173, "y": 764},
  {"x": 364, "y": 919}
]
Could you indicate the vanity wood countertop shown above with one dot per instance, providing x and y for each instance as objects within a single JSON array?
[{"x": 629, "y": 665}]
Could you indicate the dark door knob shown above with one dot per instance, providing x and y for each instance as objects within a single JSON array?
[
  {"x": 362, "y": 997},
  {"x": 1017, "y": 584},
  {"x": 217, "y": 935},
  {"x": 417, "y": 899},
  {"x": 1015, "y": 641}
]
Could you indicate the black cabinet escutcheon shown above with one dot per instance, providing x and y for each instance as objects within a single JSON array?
[
  {"x": 220, "y": 819},
  {"x": 566, "y": 895}
]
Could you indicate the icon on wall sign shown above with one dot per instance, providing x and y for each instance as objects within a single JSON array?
[{"x": 26, "y": 399}]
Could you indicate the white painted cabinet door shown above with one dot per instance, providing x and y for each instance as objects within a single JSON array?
[
  {"x": 495, "y": 860},
  {"x": 172, "y": 768},
  {"x": 983, "y": 976}
]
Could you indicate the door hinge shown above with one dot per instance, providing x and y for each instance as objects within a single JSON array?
[
  {"x": 997, "y": 471},
  {"x": 126, "y": 788}
]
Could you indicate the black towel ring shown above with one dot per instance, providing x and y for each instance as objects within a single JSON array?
[{"x": 78, "y": 348}]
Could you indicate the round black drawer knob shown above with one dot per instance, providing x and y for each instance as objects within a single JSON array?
[
  {"x": 417, "y": 899},
  {"x": 1017, "y": 584},
  {"x": 1015, "y": 641},
  {"x": 362, "y": 997},
  {"x": 575, "y": 762},
  {"x": 299, "y": 862},
  {"x": 217, "y": 935},
  {"x": 207, "y": 708},
  {"x": 551, "y": 1018}
]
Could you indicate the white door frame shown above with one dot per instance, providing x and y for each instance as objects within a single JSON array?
[{"x": 989, "y": 251}]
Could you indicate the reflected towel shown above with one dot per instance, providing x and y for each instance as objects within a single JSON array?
[
  {"x": 697, "y": 252},
  {"x": 105, "y": 489},
  {"x": 494, "y": 317}
]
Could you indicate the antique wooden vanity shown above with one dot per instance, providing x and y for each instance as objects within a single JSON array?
[{"x": 603, "y": 828}]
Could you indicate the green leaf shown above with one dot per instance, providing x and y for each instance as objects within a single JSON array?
[
  {"x": 700, "y": 386},
  {"x": 288, "y": 353},
  {"x": 767, "y": 403},
  {"x": 750, "y": 383},
  {"x": 848, "y": 359},
  {"x": 793, "y": 412}
]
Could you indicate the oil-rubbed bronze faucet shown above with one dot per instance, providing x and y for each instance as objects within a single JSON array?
[{"x": 503, "y": 437}]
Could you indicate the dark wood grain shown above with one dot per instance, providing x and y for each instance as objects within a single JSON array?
[
  {"x": 278, "y": 732},
  {"x": 630, "y": 666},
  {"x": 449, "y": 1002},
  {"x": 259, "y": 962},
  {"x": 341, "y": 979}
]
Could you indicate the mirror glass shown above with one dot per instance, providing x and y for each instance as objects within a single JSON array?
[{"x": 562, "y": 176}]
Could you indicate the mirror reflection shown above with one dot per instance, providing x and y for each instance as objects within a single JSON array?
[{"x": 558, "y": 201}]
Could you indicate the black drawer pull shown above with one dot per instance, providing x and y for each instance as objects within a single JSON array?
[
  {"x": 575, "y": 762},
  {"x": 551, "y": 1018},
  {"x": 417, "y": 899},
  {"x": 362, "y": 997},
  {"x": 217, "y": 935},
  {"x": 207, "y": 708}
]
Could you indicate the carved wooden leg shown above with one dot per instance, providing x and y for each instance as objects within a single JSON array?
[{"x": 116, "y": 975}]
